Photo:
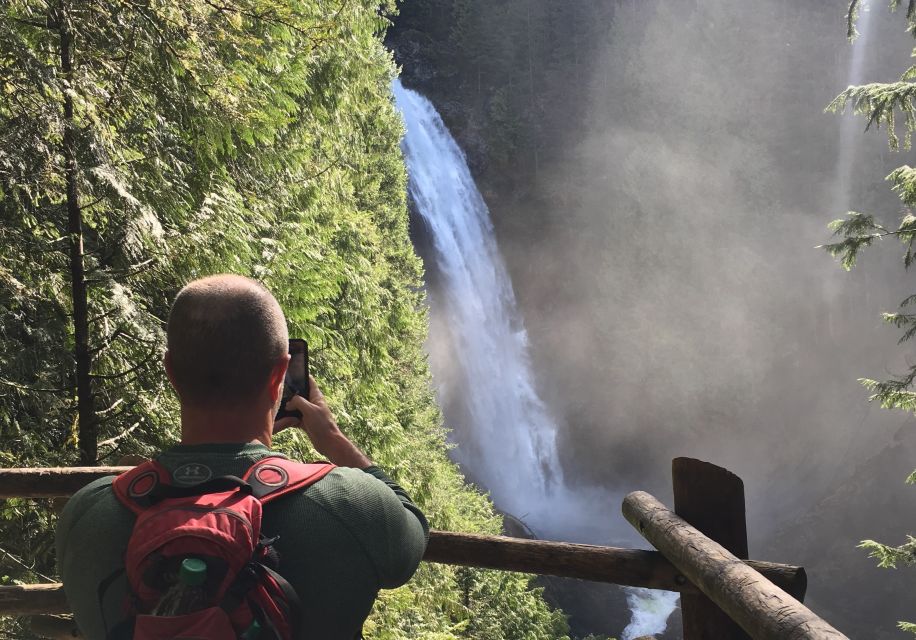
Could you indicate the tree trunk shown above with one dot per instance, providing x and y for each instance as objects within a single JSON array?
[{"x": 85, "y": 401}]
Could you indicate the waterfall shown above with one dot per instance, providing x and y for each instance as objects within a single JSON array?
[{"x": 506, "y": 439}]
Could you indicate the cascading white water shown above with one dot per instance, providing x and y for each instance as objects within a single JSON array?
[
  {"x": 509, "y": 440},
  {"x": 507, "y": 443}
]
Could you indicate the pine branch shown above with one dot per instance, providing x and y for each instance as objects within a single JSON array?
[
  {"x": 109, "y": 274},
  {"x": 879, "y": 101},
  {"x": 889, "y": 557},
  {"x": 907, "y": 626},
  {"x": 49, "y": 25},
  {"x": 22, "y": 387},
  {"x": 31, "y": 569},
  {"x": 107, "y": 341},
  {"x": 267, "y": 16},
  {"x": 859, "y": 230},
  {"x": 121, "y": 374},
  {"x": 103, "y": 316},
  {"x": 116, "y": 93},
  {"x": 893, "y": 393},
  {"x": 147, "y": 341}
]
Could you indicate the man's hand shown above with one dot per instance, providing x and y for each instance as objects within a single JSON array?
[{"x": 320, "y": 426}]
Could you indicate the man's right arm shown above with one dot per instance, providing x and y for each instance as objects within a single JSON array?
[
  {"x": 382, "y": 520},
  {"x": 393, "y": 529},
  {"x": 407, "y": 536},
  {"x": 321, "y": 427}
]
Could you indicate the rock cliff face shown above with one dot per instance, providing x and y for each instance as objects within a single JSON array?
[
  {"x": 657, "y": 210},
  {"x": 842, "y": 579}
]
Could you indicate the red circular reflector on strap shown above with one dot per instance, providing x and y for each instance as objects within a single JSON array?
[
  {"x": 142, "y": 484},
  {"x": 271, "y": 475}
]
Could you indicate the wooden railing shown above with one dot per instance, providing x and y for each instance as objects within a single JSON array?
[{"x": 724, "y": 596}]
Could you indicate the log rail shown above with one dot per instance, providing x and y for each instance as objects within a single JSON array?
[{"x": 671, "y": 568}]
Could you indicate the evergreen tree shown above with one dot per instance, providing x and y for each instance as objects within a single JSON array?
[
  {"x": 880, "y": 104},
  {"x": 146, "y": 143}
]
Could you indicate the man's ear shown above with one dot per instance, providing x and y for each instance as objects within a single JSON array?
[{"x": 277, "y": 374}]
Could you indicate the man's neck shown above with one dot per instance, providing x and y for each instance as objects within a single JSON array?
[{"x": 209, "y": 426}]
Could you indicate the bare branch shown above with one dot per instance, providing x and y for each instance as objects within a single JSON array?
[
  {"x": 30, "y": 569},
  {"x": 110, "y": 442},
  {"x": 22, "y": 387}
]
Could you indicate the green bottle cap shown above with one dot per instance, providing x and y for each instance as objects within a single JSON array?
[
  {"x": 193, "y": 572},
  {"x": 253, "y": 631}
]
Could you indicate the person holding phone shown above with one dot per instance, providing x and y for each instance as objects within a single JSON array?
[{"x": 340, "y": 540}]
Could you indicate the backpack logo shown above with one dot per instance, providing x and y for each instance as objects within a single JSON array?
[{"x": 191, "y": 474}]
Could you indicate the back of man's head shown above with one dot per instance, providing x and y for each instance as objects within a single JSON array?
[{"x": 225, "y": 335}]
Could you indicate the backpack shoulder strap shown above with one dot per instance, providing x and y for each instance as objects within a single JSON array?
[
  {"x": 274, "y": 476},
  {"x": 134, "y": 487}
]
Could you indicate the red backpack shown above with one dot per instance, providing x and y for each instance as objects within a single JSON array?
[{"x": 217, "y": 521}]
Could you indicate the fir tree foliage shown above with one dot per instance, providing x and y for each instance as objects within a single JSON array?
[
  {"x": 890, "y": 105},
  {"x": 143, "y": 144}
]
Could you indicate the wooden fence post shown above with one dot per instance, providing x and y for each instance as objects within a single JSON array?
[
  {"x": 711, "y": 499},
  {"x": 762, "y": 609}
]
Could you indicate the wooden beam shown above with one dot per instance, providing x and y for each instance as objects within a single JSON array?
[
  {"x": 762, "y": 609},
  {"x": 711, "y": 499},
  {"x": 29, "y": 599},
  {"x": 51, "y": 482},
  {"x": 632, "y": 567}
]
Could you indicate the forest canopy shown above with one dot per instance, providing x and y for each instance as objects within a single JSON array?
[{"x": 145, "y": 144}]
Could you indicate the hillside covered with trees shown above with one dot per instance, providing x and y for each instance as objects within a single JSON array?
[{"x": 144, "y": 144}]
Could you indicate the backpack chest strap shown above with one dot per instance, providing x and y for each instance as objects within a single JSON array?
[{"x": 270, "y": 478}]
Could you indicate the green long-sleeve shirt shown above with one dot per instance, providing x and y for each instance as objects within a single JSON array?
[{"x": 341, "y": 540}]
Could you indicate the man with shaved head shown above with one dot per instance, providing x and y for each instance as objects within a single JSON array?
[{"x": 340, "y": 540}]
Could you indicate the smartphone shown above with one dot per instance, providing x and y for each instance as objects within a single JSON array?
[{"x": 296, "y": 382}]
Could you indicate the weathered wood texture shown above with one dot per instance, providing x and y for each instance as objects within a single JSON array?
[
  {"x": 633, "y": 567},
  {"x": 630, "y": 567},
  {"x": 711, "y": 499},
  {"x": 50, "y": 482},
  {"x": 763, "y": 610},
  {"x": 28, "y": 599}
]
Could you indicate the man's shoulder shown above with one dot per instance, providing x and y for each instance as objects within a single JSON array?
[
  {"x": 96, "y": 492},
  {"x": 352, "y": 496},
  {"x": 93, "y": 503},
  {"x": 345, "y": 485}
]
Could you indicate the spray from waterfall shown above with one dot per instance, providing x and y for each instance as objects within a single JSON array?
[{"x": 506, "y": 440}]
